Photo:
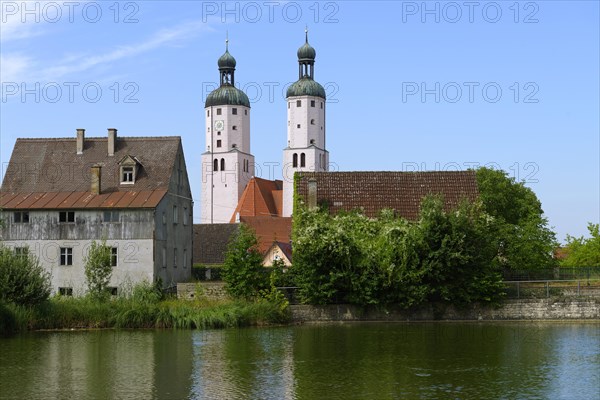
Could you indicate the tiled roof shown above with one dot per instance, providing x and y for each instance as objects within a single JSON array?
[
  {"x": 286, "y": 248},
  {"x": 401, "y": 191},
  {"x": 79, "y": 200},
  {"x": 210, "y": 242},
  {"x": 52, "y": 164},
  {"x": 269, "y": 230},
  {"x": 261, "y": 197}
]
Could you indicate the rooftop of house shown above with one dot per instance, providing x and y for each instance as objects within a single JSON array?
[
  {"x": 210, "y": 242},
  {"x": 261, "y": 197},
  {"x": 52, "y": 173},
  {"x": 269, "y": 229},
  {"x": 372, "y": 191}
]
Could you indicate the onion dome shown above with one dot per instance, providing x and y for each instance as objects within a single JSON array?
[
  {"x": 307, "y": 52},
  {"x": 227, "y": 95},
  {"x": 306, "y": 87},
  {"x": 226, "y": 61}
]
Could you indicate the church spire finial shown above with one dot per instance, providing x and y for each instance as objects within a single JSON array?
[
  {"x": 306, "y": 32},
  {"x": 226, "y": 40}
]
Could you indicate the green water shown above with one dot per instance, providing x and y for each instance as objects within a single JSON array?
[{"x": 349, "y": 361}]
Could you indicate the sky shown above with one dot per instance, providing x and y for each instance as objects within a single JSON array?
[{"x": 411, "y": 85}]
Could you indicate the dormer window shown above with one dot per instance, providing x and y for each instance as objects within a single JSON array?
[
  {"x": 126, "y": 174},
  {"x": 129, "y": 168}
]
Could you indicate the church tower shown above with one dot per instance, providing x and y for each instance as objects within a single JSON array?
[
  {"x": 305, "y": 149},
  {"x": 227, "y": 164}
]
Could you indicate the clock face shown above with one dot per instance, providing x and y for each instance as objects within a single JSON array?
[{"x": 219, "y": 125}]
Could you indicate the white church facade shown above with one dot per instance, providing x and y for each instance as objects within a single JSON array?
[{"x": 228, "y": 164}]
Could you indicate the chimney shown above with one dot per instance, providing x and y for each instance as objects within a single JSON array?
[
  {"x": 112, "y": 141},
  {"x": 312, "y": 194},
  {"x": 80, "y": 140},
  {"x": 96, "y": 183}
]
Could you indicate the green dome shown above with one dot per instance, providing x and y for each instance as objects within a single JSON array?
[
  {"x": 227, "y": 95},
  {"x": 306, "y": 52},
  {"x": 226, "y": 61},
  {"x": 306, "y": 87}
]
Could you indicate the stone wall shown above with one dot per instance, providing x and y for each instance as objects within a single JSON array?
[
  {"x": 208, "y": 290},
  {"x": 523, "y": 309}
]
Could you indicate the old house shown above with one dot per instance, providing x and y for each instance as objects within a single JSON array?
[{"x": 60, "y": 194}]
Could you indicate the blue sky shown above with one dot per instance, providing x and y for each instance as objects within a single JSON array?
[{"x": 411, "y": 85}]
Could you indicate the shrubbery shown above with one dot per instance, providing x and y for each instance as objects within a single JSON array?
[
  {"x": 242, "y": 271},
  {"x": 22, "y": 279},
  {"x": 450, "y": 257}
]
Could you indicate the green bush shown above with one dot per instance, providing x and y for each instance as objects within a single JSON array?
[
  {"x": 98, "y": 269},
  {"x": 443, "y": 256},
  {"x": 242, "y": 271},
  {"x": 22, "y": 279}
]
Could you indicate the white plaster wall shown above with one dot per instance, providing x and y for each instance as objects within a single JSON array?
[
  {"x": 240, "y": 137},
  {"x": 227, "y": 186},
  {"x": 301, "y": 137},
  {"x": 134, "y": 264}
]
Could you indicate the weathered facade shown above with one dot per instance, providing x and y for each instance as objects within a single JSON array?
[{"x": 60, "y": 195}]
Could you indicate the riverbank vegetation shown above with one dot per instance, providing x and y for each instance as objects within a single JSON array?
[{"x": 145, "y": 307}]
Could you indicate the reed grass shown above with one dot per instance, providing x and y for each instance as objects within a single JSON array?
[{"x": 86, "y": 313}]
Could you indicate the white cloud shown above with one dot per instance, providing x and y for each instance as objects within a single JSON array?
[{"x": 14, "y": 67}]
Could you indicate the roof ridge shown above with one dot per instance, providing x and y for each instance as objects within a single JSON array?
[{"x": 45, "y": 139}]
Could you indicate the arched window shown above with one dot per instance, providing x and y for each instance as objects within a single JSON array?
[
  {"x": 302, "y": 160},
  {"x": 312, "y": 141},
  {"x": 222, "y": 164},
  {"x": 295, "y": 160},
  {"x": 312, "y": 121},
  {"x": 216, "y": 165}
]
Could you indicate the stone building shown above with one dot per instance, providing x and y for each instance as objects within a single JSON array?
[{"x": 60, "y": 194}]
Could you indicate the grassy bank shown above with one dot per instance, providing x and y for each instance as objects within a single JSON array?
[{"x": 85, "y": 313}]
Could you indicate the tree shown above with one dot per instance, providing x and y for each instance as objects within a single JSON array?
[
  {"x": 243, "y": 272},
  {"x": 584, "y": 252},
  {"x": 22, "y": 279},
  {"x": 524, "y": 239},
  {"x": 98, "y": 270}
]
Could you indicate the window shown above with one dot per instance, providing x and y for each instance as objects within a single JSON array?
[
  {"x": 219, "y": 133},
  {"x": 21, "y": 251},
  {"x": 126, "y": 174},
  {"x": 234, "y": 111},
  {"x": 302, "y": 160},
  {"x": 245, "y": 112},
  {"x": 113, "y": 290},
  {"x": 66, "y": 256},
  {"x": 234, "y": 128},
  {"x": 111, "y": 216},
  {"x": 174, "y": 214},
  {"x": 298, "y": 126},
  {"x": 216, "y": 165},
  {"x": 185, "y": 259},
  {"x": 222, "y": 164},
  {"x": 21, "y": 217},
  {"x": 208, "y": 113},
  {"x": 298, "y": 103},
  {"x": 218, "y": 143},
  {"x": 321, "y": 105},
  {"x": 114, "y": 256},
  {"x": 312, "y": 121},
  {"x": 175, "y": 257},
  {"x": 312, "y": 103},
  {"x": 164, "y": 257},
  {"x": 65, "y": 291},
  {"x": 295, "y": 160},
  {"x": 312, "y": 141},
  {"x": 233, "y": 146},
  {"x": 66, "y": 216},
  {"x": 218, "y": 111},
  {"x": 185, "y": 216}
]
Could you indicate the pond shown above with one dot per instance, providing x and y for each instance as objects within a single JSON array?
[{"x": 526, "y": 360}]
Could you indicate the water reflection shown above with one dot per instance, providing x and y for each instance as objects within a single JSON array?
[{"x": 346, "y": 361}]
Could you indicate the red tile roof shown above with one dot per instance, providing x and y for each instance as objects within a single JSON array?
[
  {"x": 401, "y": 191},
  {"x": 261, "y": 197},
  {"x": 269, "y": 230},
  {"x": 80, "y": 200}
]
